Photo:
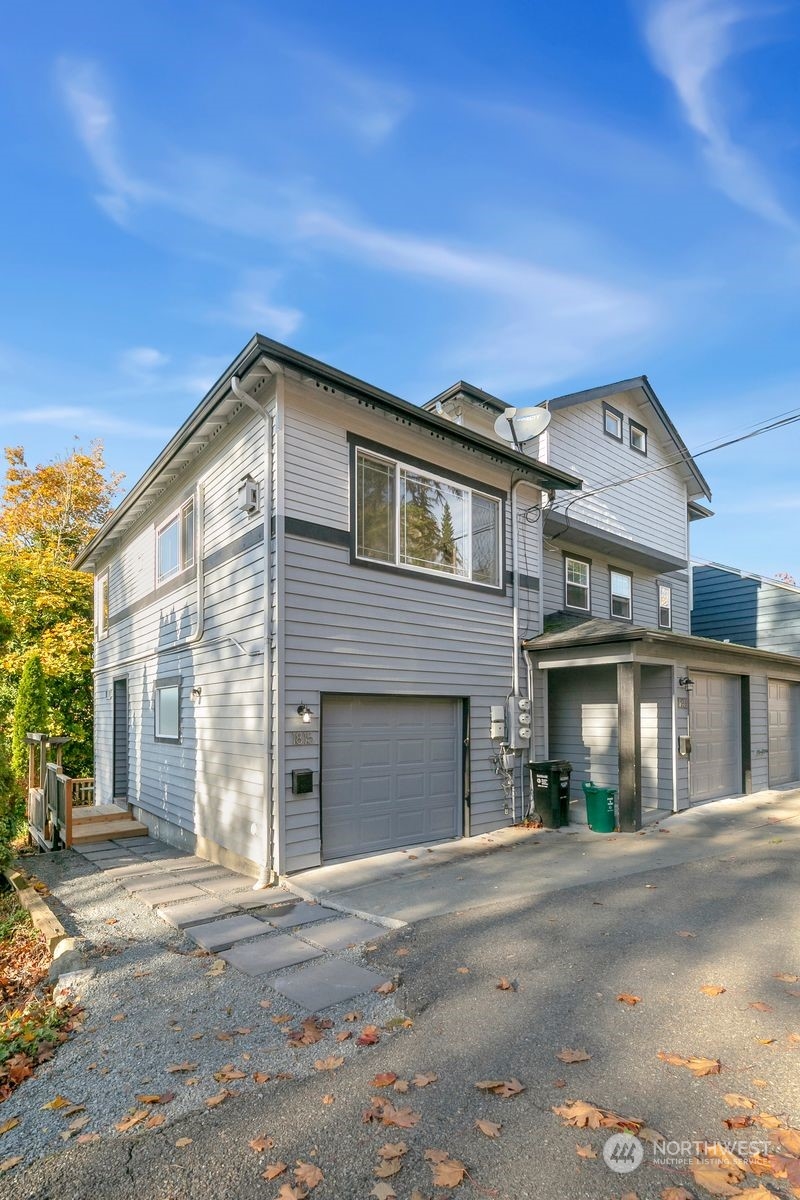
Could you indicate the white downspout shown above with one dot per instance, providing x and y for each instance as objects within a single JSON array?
[{"x": 266, "y": 877}]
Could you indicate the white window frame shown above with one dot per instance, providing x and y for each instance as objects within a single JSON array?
[
  {"x": 616, "y": 595},
  {"x": 170, "y": 683},
  {"x": 618, "y": 418},
  {"x": 186, "y": 553},
  {"x": 635, "y": 428},
  {"x": 664, "y": 587},
  {"x": 424, "y": 473},
  {"x": 102, "y": 602},
  {"x": 568, "y": 583}
]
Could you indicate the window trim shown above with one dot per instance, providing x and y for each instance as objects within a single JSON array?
[
  {"x": 185, "y": 562},
  {"x": 568, "y": 556},
  {"x": 628, "y": 575},
  {"x": 639, "y": 429},
  {"x": 102, "y": 605},
  {"x": 452, "y": 478},
  {"x": 667, "y": 587},
  {"x": 609, "y": 408},
  {"x": 167, "y": 681}
]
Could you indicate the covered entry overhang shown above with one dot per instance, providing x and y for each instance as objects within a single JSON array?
[{"x": 628, "y": 651}]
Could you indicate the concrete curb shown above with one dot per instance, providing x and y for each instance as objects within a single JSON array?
[
  {"x": 43, "y": 917},
  {"x": 323, "y": 897}
]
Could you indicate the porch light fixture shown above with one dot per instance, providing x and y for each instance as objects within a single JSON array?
[
  {"x": 686, "y": 682},
  {"x": 305, "y": 713}
]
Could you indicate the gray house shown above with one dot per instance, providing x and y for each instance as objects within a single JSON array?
[
  {"x": 309, "y": 611},
  {"x": 737, "y": 606},
  {"x": 619, "y": 685}
]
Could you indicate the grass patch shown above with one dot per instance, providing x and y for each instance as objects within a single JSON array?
[{"x": 31, "y": 1025}]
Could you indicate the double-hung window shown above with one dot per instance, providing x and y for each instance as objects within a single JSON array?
[
  {"x": 621, "y": 594},
  {"x": 577, "y": 584},
  {"x": 664, "y": 606},
  {"x": 167, "y": 706},
  {"x": 410, "y": 518},
  {"x": 102, "y": 603},
  {"x": 175, "y": 543}
]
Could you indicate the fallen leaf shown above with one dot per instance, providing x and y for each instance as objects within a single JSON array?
[
  {"x": 490, "y": 1129},
  {"x": 769, "y": 1121},
  {"x": 330, "y": 1063},
  {"x": 265, "y": 1003},
  {"x": 282, "y": 1018},
  {"x": 786, "y": 978},
  {"x": 790, "y": 1140},
  {"x": 401, "y": 1085},
  {"x": 765, "y": 1041},
  {"x": 154, "y": 1121},
  {"x": 712, "y": 989},
  {"x": 134, "y": 1118},
  {"x": 213, "y": 1101},
  {"x": 625, "y": 998},
  {"x": 393, "y": 1150},
  {"x": 698, "y": 1066},
  {"x": 402, "y": 952},
  {"x": 506, "y": 985},
  {"x": 717, "y": 1179},
  {"x": 308, "y": 1175},
  {"x": 288, "y": 1191},
  {"x": 383, "y": 1080},
  {"x": 734, "y": 1100},
  {"x": 448, "y": 1174},
  {"x": 164, "y": 1098},
  {"x": 385, "y": 989},
  {"x": 352, "y": 1016},
  {"x": 462, "y": 970},
  {"x": 260, "y": 1144},
  {"x": 8, "y": 1163},
  {"x": 261, "y": 1077},
  {"x": 184, "y": 1066},
  {"x": 759, "y": 1006},
  {"x": 585, "y": 1152},
  {"x": 56, "y": 1103},
  {"x": 383, "y": 1191},
  {"x": 384, "y": 1111},
  {"x": 756, "y": 1193},
  {"x": 119, "y": 1017},
  {"x": 573, "y": 1056},
  {"x": 328, "y": 1098},
  {"x": 676, "y": 1193},
  {"x": 85, "y": 1138},
  {"x": 500, "y": 1087},
  {"x": 582, "y": 1115},
  {"x": 343, "y": 1035},
  {"x": 387, "y": 1168},
  {"x": 274, "y": 1170},
  {"x": 422, "y": 1081},
  {"x": 217, "y": 967},
  {"x": 737, "y": 1122},
  {"x": 559, "y": 1083},
  {"x": 8, "y": 1125},
  {"x": 685, "y": 933},
  {"x": 369, "y": 1036},
  {"x": 436, "y": 1156},
  {"x": 184, "y": 1141}
]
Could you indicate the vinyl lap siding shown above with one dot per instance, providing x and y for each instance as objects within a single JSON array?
[
  {"x": 752, "y": 612},
  {"x": 583, "y": 724},
  {"x": 759, "y": 731}
]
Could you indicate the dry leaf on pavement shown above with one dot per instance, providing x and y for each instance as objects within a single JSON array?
[
  {"x": 506, "y": 985},
  {"x": 489, "y": 1128},
  {"x": 500, "y": 1087},
  {"x": 573, "y": 1056},
  {"x": 719, "y": 1180},
  {"x": 698, "y": 1066},
  {"x": 462, "y": 970},
  {"x": 260, "y": 1144},
  {"x": 290, "y": 1191},
  {"x": 184, "y": 1066},
  {"x": 626, "y": 998},
  {"x": 676, "y": 1193},
  {"x": 274, "y": 1170},
  {"x": 790, "y": 1140},
  {"x": 387, "y": 1168},
  {"x": 583, "y": 1115},
  {"x": 756, "y": 1193},
  {"x": 330, "y": 1063},
  {"x": 8, "y": 1163},
  {"x": 383, "y": 1079},
  {"x": 383, "y": 1191},
  {"x": 734, "y": 1100},
  {"x": 8, "y": 1125},
  {"x": 308, "y": 1174},
  {"x": 385, "y": 989},
  {"x": 352, "y": 1016},
  {"x": 422, "y": 1080},
  {"x": 448, "y": 1174},
  {"x": 585, "y": 1152},
  {"x": 786, "y": 978},
  {"x": 343, "y": 1035},
  {"x": 184, "y": 1141},
  {"x": 759, "y": 1006},
  {"x": 57, "y": 1102},
  {"x": 134, "y": 1119},
  {"x": 369, "y": 1036},
  {"x": 712, "y": 989}
]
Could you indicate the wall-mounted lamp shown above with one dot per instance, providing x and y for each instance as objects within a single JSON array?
[
  {"x": 686, "y": 682},
  {"x": 196, "y": 693},
  {"x": 305, "y": 713}
]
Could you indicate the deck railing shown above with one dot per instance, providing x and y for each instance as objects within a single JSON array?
[{"x": 52, "y": 794}]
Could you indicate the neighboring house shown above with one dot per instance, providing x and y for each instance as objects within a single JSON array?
[
  {"x": 737, "y": 606},
  {"x": 324, "y": 691},
  {"x": 620, "y": 688}
]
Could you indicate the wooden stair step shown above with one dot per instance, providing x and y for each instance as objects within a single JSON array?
[
  {"x": 98, "y": 812},
  {"x": 101, "y": 831}
]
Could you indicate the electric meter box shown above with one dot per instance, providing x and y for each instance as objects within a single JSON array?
[
  {"x": 519, "y": 722},
  {"x": 497, "y": 719}
]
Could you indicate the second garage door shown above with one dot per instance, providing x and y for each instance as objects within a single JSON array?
[
  {"x": 784, "y": 734},
  {"x": 391, "y": 772},
  {"x": 716, "y": 762}
]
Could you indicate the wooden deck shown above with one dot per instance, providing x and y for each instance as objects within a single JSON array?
[{"x": 100, "y": 822}]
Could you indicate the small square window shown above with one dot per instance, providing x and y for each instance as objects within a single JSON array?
[
  {"x": 577, "y": 584},
  {"x": 621, "y": 595},
  {"x": 664, "y": 606},
  {"x": 167, "y": 704},
  {"x": 638, "y": 437},
  {"x": 613, "y": 422}
]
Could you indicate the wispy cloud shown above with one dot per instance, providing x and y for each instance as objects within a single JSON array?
[
  {"x": 368, "y": 107},
  {"x": 90, "y": 421},
  {"x": 251, "y": 307},
  {"x": 691, "y": 41},
  {"x": 142, "y": 360}
]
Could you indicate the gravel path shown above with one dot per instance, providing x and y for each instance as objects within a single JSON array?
[{"x": 153, "y": 1002}]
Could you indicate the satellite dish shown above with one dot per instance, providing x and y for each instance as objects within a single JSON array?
[{"x": 518, "y": 425}]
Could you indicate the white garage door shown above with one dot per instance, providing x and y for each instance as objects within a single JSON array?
[
  {"x": 784, "y": 742},
  {"x": 716, "y": 762},
  {"x": 391, "y": 772}
]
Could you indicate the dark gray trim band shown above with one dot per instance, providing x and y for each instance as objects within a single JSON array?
[
  {"x": 578, "y": 533},
  {"x": 253, "y": 537},
  {"x": 294, "y": 527}
]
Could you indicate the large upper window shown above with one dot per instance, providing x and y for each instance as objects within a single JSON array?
[
  {"x": 408, "y": 518},
  {"x": 577, "y": 583},
  {"x": 175, "y": 543},
  {"x": 621, "y": 594}
]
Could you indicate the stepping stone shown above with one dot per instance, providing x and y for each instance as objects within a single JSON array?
[
  {"x": 132, "y": 868},
  {"x": 105, "y": 855},
  {"x": 151, "y": 879},
  {"x": 291, "y": 915},
  {"x": 97, "y": 848},
  {"x": 112, "y": 862},
  {"x": 194, "y": 912},
  {"x": 349, "y": 931},
  {"x": 220, "y": 935},
  {"x": 229, "y": 886},
  {"x": 143, "y": 843},
  {"x": 273, "y": 953},
  {"x": 326, "y": 983},
  {"x": 251, "y": 899},
  {"x": 170, "y": 895},
  {"x": 173, "y": 858}
]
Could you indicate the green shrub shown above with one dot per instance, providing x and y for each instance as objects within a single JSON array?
[{"x": 30, "y": 713}]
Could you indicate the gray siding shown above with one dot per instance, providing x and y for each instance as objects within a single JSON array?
[
  {"x": 747, "y": 610},
  {"x": 759, "y": 731},
  {"x": 583, "y": 723},
  {"x": 645, "y": 595}
]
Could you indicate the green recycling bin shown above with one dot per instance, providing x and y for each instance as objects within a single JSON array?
[{"x": 600, "y": 808}]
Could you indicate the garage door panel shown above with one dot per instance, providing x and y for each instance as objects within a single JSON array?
[
  {"x": 391, "y": 772},
  {"x": 716, "y": 762}
]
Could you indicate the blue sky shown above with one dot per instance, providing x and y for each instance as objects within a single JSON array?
[{"x": 533, "y": 197}]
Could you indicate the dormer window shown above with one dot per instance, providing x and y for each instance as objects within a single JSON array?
[
  {"x": 638, "y": 437},
  {"x": 613, "y": 422}
]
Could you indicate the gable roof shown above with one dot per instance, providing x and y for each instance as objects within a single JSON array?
[
  {"x": 638, "y": 383},
  {"x": 475, "y": 394},
  {"x": 219, "y": 404}
]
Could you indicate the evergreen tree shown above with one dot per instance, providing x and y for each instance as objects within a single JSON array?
[
  {"x": 449, "y": 549},
  {"x": 421, "y": 536},
  {"x": 30, "y": 713}
]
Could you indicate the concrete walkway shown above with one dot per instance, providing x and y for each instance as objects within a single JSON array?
[{"x": 430, "y": 881}]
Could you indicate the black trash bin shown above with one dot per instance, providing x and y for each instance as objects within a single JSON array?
[{"x": 550, "y": 784}]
